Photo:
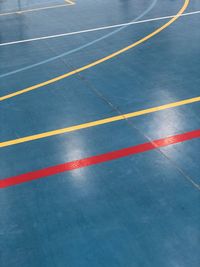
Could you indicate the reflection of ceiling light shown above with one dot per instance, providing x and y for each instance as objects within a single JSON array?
[
  {"x": 79, "y": 178},
  {"x": 167, "y": 122},
  {"x": 75, "y": 148}
]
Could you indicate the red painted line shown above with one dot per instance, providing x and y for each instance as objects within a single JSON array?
[{"x": 69, "y": 166}]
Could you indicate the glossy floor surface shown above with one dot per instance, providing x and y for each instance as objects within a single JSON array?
[{"x": 140, "y": 210}]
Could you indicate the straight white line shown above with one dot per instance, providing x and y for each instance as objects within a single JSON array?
[
  {"x": 95, "y": 29},
  {"x": 37, "y": 9}
]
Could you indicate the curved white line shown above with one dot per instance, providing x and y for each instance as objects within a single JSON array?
[{"x": 80, "y": 47}]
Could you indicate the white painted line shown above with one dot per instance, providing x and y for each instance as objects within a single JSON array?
[
  {"x": 95, "y": 29},
  {"x": 68, "y": 3}
]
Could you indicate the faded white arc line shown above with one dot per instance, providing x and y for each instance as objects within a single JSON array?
[{"x": 96, "y": 29}]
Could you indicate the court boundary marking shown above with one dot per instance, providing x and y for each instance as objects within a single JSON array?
[
  {"x": 98, "y": 122},
  {"x": 74, "y": 50},
  {"x": 106, "y": 157},
  {"x": 99, "y": 61},
  {"x": 67, "y": 3},
  {"x": 95, "y": 29}
]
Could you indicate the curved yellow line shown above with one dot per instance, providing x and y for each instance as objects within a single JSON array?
[
  {"x": 97, "y": 62},
  {"x": 99, "y": 122}
]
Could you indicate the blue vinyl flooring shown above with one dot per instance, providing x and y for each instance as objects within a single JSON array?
[{"x": 138, "y": 211}]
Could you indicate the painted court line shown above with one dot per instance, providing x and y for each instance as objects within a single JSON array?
[
  {"x": 82, "y": 163},
  {"x": 70, "y": 2},
  {"x": 74, "y": 50},
  {"x": 67, "y": 3},
  {"x": 98, "y": 122},
  {"x": 96, "y": 29},
  {"x": 99, "y": 61}
]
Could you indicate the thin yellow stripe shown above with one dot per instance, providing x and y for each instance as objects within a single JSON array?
[
  {"x": 34, "y": 87},
  {"x": 98, "y": 122},
  {"x": 70, "y": 2}
]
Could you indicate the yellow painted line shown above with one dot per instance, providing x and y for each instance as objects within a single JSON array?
[
  {"x": 99, "y": 122},
  {"x": 67, "y": 3},
  {"x": 70, "y": 2},
  {"x": 97, "y": 62}
]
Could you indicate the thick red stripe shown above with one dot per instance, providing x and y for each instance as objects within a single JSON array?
[{"x": 98, "y": 159}]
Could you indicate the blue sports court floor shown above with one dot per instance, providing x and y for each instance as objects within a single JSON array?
[{"x": 100, "y": 128}]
